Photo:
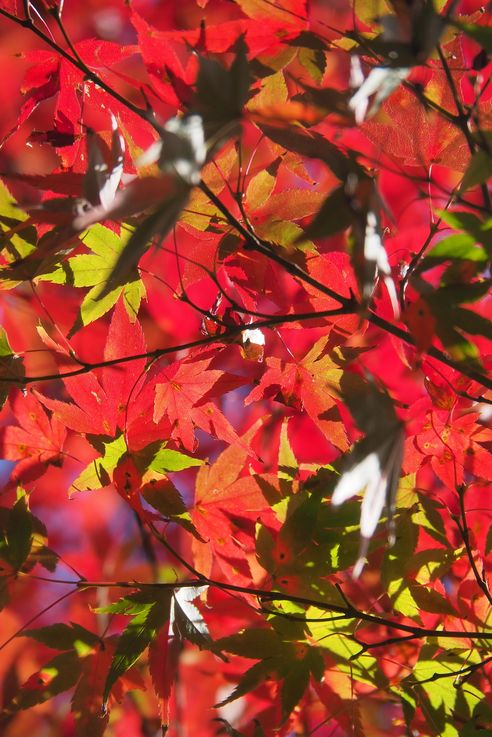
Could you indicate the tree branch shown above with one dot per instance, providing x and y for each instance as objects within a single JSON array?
[
  {"x": 348, "y": 610},
  {"x": 231, "y": 332}
]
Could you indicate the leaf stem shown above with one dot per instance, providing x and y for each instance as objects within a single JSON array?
[{"x": 465, "y": 534}]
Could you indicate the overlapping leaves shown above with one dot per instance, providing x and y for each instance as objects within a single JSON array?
[{"x": 269, "y": 539}]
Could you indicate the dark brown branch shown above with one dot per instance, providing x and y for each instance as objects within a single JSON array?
[
  {"x": 348, "y": 610},
  {"x": 232, "y": 332},
  {"x": 366, "y": 646},
  {"x": 175, "y": 553},
  {"x": 461, "y": 675},
  {"x": 429, "y": 104},
  {"x": 252, "y": 241},
  {"x": 418, "y": 256}
]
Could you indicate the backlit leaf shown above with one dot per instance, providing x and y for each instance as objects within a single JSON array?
[
  {"x": 57, "y": 675},
  {"x": 136, "y": 637},
  {"x": 11, "y": 366}
]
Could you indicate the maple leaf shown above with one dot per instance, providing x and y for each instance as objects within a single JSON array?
[
  {"x": 301, "y": 170},
  {"x": 86, "y": 700},
  {"x": 150, "y": 612},
  {"x": 35, "y": 441},
  {"x": 335, "y": 271},
  {"x": 172, "y": 69},
  {"x": 439, "y": 310},
  {"x": 56, "y": 676},
  {"x": 288, "y": 12},
  {"x": 40, "y": 83},
  {"x": 164, "y": 653},
  {"x": 293, "y": 662},
  {"x": 311, "y": 384},
  {"x": 22, "y": 542},
  {"x": 93, "y": 270},
  {"x": 99, "y": 407},
  {"x": 454, "y": 444},
  {"x": 53, "y": 77},
  {"x": 225, "y": 506},
  {"x": 142, "y": 475},
  {"x": 227, "y": 503},
  {"x": 153, "y": 614},
  {"x": 18, "y": 235},
  {"x": 127, "y": 479},
  {"x": 183, "y": 391},
  {"x": 437, "y": 141}
]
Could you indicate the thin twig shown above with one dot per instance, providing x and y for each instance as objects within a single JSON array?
[
  {"x": 39, "y": 614},
  {"x": 232, "y": 332},
  {"x": 82, "y": 67},
  {"x": 462, "y": 119},
  {"x": 465, "y": 534}
]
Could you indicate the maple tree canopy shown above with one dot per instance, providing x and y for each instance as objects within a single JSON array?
[{"x": 245, "y": 352}]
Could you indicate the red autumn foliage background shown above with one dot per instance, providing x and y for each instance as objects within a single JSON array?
[{"x": 244, "y": 368}]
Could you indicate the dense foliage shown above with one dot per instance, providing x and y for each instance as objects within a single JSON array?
[{"x": 246, "y": 424}]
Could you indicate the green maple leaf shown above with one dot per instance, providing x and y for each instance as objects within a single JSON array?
[{"x": 93, "y": 270}]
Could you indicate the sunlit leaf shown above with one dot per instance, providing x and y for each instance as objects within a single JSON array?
[{"x": 57, "y": 675}]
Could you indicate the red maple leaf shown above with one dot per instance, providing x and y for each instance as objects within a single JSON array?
[
  {"x": 310, "y": 384},
  {"x": 183, "y": 392},
  {"x": 163, "y": 661},
  {"x": 55, "y": 77},
  {"x": 35, "y": 441},
  {"x": 99, "y": 406},
  {"x": 40, "y": 83},
  {"x": 227, "y": 503},
  {"x": 453, "y": 444},
  {"x": 405, "y": 129}
]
